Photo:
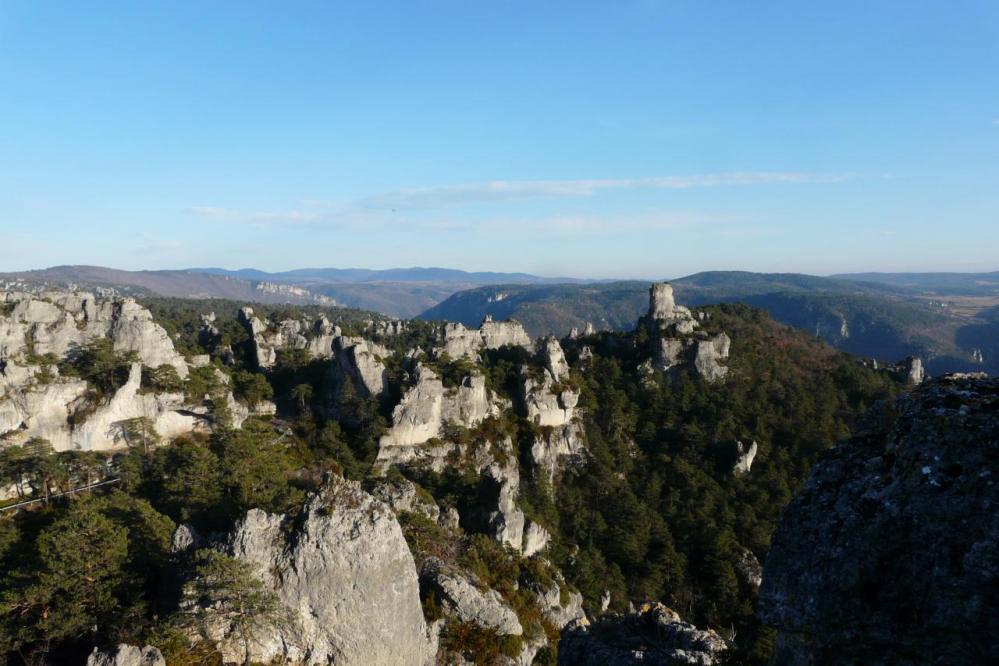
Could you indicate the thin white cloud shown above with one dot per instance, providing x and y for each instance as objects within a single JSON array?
[
  {"x": 410, "y": 209},
  {"x": 512, "y": 190},
  {"x": 995, "y": 121},
  {"x": 260, "y": 218},
  {"x": 211, "y": 211}
]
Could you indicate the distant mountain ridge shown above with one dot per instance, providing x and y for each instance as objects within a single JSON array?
[
  {"x": 949, "y": 319},
  {"x": 397, "y": 292},
  {"x": 854, "y": 313},
  {"x": 414, "y": 274}
]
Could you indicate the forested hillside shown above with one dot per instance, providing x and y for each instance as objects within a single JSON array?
[{"x": 656, "y": 502}]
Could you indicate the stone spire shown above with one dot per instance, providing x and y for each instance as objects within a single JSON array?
[{"x": 661, "y": 303}]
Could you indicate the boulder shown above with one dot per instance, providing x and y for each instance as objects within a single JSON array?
[
  {"x": 343, "y": 567},
  {"x": 890, "y": 552},
  {"x": 402, "y": 495},
  {"x": 127, "y": 655}
]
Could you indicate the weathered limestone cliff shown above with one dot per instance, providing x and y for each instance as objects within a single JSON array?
[
  {"x": 890, "y": 553},
  {"x": 344, "y": 569},
  {"x": 56, "y": 322},
  {"x": 358, "y": 363},
  {"x": 551, "y": 403}
]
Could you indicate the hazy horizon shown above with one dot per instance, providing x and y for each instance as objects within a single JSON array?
[{"x": 626, "y": 141}]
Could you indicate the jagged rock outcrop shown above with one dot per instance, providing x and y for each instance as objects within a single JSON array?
[
  {"x": 359, "y": 362},
  {"x": 890, "y": 552},
  {"x": 653, "y": 636},
  {"x": 560, "y": 448},
  {"x": 665, "y": 315},
  {"x": 748, "y": 568},
  {"x": 560, "y": 605},
  {"x": 402, "y": 495},
  {"x": 35, "y": 401},
  {"x": 44, "y": 411},
  {"x": 344, "y": 568},
  {"x": 553, "y": 358},
  {"x": 745, "y": 454},
  {"x": 551, "y": 403},
  {"x": 913, "y": 369},
  {"x": 424, "y": 410},
  {"x": 186, "y": 539},
  {"x": 468, "y": 342},
  {"x": 507, "y": 521},
  {"x": 387, "y": 328},
  {"x": 127, "y": 655},
  {"x": 461, "y": 595},
  {"x": 58, "y": 321},
  {"x": 267, "y": 340},
  {"x": 677, "y": 344}
]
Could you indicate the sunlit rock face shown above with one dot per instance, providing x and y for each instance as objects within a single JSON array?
[
  {"x": 359, "y": 362},
  {"x": 344, "y": 570},
  {"x": 462, "y": 342},
  {"x": 677, "y": 342},
  {"x": 40, "y": 330},
  {"x": 315, "y": 336}
]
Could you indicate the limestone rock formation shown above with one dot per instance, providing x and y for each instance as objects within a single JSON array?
[
  {"x": 553, "y": 358},
  {"x": 677, "y": 344},
  {"x": 745, "y": 454},
  {"x": 127, "y": 655},
  {"x": 344, "y": 568},
  {"x": 913, "y": 368},
  {"x": 359, "y": 362},
  {"x": 890, "y": 553},
  {"x": 426, "y": 407},
  {"x": 316, "y": 337},
  {"x": 467, "y": 342},
  {"x": 34, "y": 403},
  {"x": 560, "y": 605},
  {"x": 653, "y": 636},
  {"x": 665, "y": 315},
  {"x": 708, "y": 354},
  {"x": 402, "y": 495},
  {"x": 560, "y": 448},
  {"x": 748, "y": 568},
  {"x": 58, "y": 321},
  {"x": 462, "y": 597}
]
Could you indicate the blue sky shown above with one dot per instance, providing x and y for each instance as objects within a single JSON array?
[{"x": 600, "y": 139}]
